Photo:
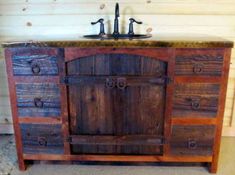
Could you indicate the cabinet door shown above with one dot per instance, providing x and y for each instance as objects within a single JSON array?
[{"x": 116, "y": 104}]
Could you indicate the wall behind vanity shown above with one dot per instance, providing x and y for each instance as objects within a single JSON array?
[{"x": 58, "y": 19}]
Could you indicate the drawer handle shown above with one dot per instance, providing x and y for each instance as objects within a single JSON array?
[
  {"x": 36, "y": 69},
  {"x": 110, "y": 83},
  {"x": 42, "y": 141},
  {"x": 195, "y": 104},
  {"x": 198, "y": 68},
  {"x": 38, "y": 102},
  {"x": 192, "y": 144},
  {"x": 121, "y": 83}
]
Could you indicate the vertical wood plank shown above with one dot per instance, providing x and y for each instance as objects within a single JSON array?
[
  {"x": 169, "y": 101},
  {"x": 221, "y": 108},
  {"x": 13, "y": 100},
  {"x": 64, "y": 101}
]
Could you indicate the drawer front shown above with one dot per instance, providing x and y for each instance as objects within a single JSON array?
[
  {"x": 196, "y": 99},
  {"x": 42, "y": 138},
  {"x": 37, "y": 62},
  {"x": 203, "y": 62},
  {"x": 192, "y": 140},
  {"x": 38, "y": 100}
]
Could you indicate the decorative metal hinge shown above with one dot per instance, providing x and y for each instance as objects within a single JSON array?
[
  {"x": 168, "y": 80},
  {"x": 69, "y": 139},
  {"x": 64, "y": 80}
]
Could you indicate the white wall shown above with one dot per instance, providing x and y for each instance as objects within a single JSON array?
[{"x": 51, "y": 19}]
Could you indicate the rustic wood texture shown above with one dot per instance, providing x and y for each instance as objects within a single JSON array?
[
  {"x": 64, "y": 101},
  {"x": 35, "y": 61},
  {"x": 35, "y": 65},
  {"x": 116, "y": 64},
  {"x": 72, "y": 53},
  {"x": 12, "y": 90},
  {"x": 119, "y": 158},
  {"x": 198, "y": 62},
  {"x": 38, "y": 99},
  {"x": 192, "y": 140},
  {"x": 102, "y": 110},
  {"x": 117, "y": 103},
  {"x": 169, "y": 102},
  {"x": 116, "y": 140},
  {"x": 196, "y": 100},
  {"x": 220, "y": 114},
  {"x": 9, "y": 54},
  {"x": 42, "y": 138}
]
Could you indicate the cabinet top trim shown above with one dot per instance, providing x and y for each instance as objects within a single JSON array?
[{"x": 180, "y": 41}]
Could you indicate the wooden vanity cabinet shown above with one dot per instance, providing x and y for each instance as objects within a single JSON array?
[{"x": 134, "y": 104}]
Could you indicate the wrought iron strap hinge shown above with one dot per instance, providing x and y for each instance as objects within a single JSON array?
[
  {"x": 168, "y": 80},
  {"x": 161, "y": 80},
  {"x": 121, "y": 82},
  {"x": 68, "y": 139},
  {"x": 64, "y": 80}
]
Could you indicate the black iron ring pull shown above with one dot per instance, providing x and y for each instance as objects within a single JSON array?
[
  {"x": 121, "y": 83},
  {"x": 110, "y": 83},
  {"x": 198, "y": 68},
  {"x": 38, "y": 102},
  {"x": 36, "y": 69},
  {"x": 42, "y": 141},
  {"x": 195, "y": 104},
  {"x": 192, "y": 144}
]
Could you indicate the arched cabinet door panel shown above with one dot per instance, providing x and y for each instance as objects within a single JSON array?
[{"x": 116, "y": 103}]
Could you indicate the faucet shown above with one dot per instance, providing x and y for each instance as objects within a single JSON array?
[
  {"x": 116, "y": 25},
  {"x": 116, "y": 35}
]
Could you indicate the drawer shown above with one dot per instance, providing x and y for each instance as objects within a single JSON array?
[
  {"x": 204, "y": 62},
  {"x": 42, "y": 138},
  {"x": 192, "y": 140},
  {"x": 196, "y": 99},
  {"x": 38, "y": 100},
  {"x": 37, "y": 62}
]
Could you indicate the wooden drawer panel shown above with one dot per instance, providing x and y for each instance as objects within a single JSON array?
[
  {"x": 192, "y": 140},
  {"x": 38, "y": 62},
  {"x": 196, "y": 99},
  {"x": 206, "y": 62},
  {"x": 42, "y": 138},
  {"x": 42, "y": 100}
]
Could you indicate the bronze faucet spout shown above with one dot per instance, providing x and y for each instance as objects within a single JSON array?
[
  {"x": 116, "y": 25},
  {"x": 117, "y": 11}
]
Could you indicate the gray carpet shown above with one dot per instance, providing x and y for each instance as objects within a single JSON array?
[{"x": 8, "y": 160}]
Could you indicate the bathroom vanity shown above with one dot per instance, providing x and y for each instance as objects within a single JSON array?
[{"x": 155, "y": 100}]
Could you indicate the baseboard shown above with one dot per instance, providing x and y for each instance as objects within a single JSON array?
[
  {"x": 228, "y": 131},
  {"x": 6, "y": 129}
]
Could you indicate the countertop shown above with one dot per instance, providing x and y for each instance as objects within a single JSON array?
[{"x": 167, "y": 40}]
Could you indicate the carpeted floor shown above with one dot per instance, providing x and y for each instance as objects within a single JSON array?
[{"x": 8, "y": 164}]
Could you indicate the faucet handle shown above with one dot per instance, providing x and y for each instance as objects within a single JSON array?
[
  {"x": 132, "y": 20},
  {"x": 131, "y": 28},
  {"x": 101, "y": 21}
]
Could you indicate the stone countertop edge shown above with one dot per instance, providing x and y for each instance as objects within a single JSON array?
[{"x": 146, "y": 43}]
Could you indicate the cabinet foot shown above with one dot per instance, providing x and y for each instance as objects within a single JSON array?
[
  {"x": 22, "y": 165},
  {"x": 213, "y": 167}
]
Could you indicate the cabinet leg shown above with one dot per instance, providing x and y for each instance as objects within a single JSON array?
[
  {"x": 213, "y": 167},
  {"x": 22, "y": 165}
]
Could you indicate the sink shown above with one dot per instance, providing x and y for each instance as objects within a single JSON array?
[{"x": 120, "y": 36}]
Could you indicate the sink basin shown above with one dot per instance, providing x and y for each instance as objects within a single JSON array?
[{"x": 120, "y": 36}]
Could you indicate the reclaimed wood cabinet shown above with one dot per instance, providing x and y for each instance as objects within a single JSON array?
[{"x": 130, "y": 101}]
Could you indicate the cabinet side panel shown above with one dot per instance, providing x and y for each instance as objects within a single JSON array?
[
  {"x": 221, "y": 107},
  {"x": 13, "y": 100}
]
